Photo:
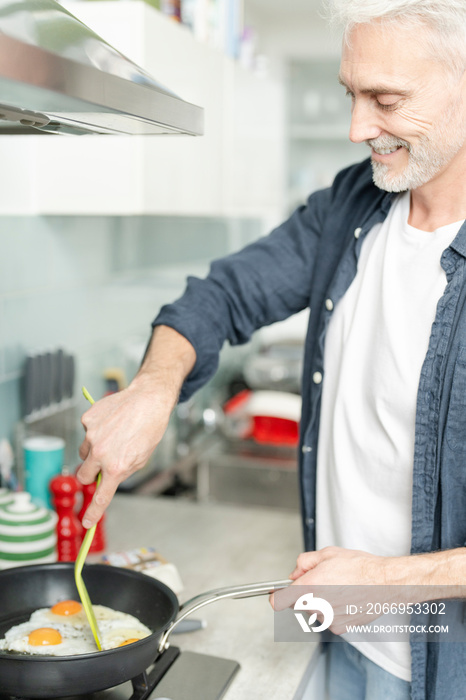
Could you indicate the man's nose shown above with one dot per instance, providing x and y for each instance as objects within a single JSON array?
[{"x": 364, "y": 123}]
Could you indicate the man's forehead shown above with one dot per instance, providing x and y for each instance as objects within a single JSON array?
[
  {"x": 378, "y": 60},
  {"x": 387, "y": 55},
  {"x": 375, "y": 86}
]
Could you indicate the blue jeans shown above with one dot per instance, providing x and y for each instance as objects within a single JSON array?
[{"x": 352, "y": 676}]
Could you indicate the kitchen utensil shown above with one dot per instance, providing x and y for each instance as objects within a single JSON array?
[
  {"x": 68, "y": 387},
  {"x": 31, "y": 385},
  {"x": 41, "y": 386},
  {"x": 47, "y": 379},
  {"x": 81, "y": 586},
  {"x": 248, "y": 590},
  {"x": 25, "y": 589},
  {"x": 78, "y": 567},
  {"x": 59, "y": 390}
]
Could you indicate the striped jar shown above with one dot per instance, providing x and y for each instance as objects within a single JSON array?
[
  {"x": 6, "y": 497},
  {"x": 27, "y": 533}
]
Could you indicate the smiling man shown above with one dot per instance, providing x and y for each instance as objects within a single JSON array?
[
  {"x": 413, "y": 134},
  {"x": 380, "y": 258}
]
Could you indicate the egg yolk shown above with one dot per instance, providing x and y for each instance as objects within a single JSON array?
[
  {"x": 44, "y": 636},
  {"x": 128, "y": 641},
  {"x": 66, "y": 607}
]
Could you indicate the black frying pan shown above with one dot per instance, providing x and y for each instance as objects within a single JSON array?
[{"x": 25, "y": 589}]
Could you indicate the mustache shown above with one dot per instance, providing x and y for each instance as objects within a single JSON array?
[{"x": 388, "y": 142}]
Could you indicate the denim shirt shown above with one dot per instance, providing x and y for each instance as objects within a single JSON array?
[{"x": 310, "y": 261}]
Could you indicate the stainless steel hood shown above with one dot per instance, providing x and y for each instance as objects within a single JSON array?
[{"x": 58, "y": 76}]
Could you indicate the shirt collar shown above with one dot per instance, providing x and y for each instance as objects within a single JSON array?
[{"x": 459, "y": 242}]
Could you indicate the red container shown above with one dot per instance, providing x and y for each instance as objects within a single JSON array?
[{"x": 277, "y": 431}]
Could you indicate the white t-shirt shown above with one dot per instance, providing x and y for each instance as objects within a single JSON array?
[{"x": 376, "y": 344}]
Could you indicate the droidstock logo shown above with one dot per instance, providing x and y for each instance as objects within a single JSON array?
[{"x": 307, "y": 603}]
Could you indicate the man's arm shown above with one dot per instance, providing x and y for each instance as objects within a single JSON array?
[
  {"x": 337, "y": 566},
  {"x": 352, "y": 578},
  {"x": 122, "y": 430},
  {"x": 265, "y": 282}
]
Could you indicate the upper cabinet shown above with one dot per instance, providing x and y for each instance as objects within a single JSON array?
[{"x": 235, "y": 169}]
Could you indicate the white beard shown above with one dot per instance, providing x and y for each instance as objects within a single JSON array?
[{"x": 425, "y": 160}]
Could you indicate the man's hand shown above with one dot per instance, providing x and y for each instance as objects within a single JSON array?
[
  {"x": 335, "y": 566},
  {"x": 123, "y": 429},
  {"x": 346, "y": 575},
  {"x": 358, "y": 578}
]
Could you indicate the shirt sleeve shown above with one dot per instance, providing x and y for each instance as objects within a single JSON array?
[{"x": 265, "y": 282}]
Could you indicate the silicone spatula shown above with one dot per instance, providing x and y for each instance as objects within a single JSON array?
[{"x": 78, "y": 567}]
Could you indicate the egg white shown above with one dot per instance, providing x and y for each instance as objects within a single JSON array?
[
  {"x": 115, "y": 628},
  {"x": 73, "y": 641},
  {"x": 49, "y": 619}
]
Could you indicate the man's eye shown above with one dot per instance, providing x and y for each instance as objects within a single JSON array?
[
  {"x": 349, "y": 94},
  {"x": 387, "y": 107}
]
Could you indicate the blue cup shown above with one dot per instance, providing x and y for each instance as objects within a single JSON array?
[{"x": 43, "y": 459}]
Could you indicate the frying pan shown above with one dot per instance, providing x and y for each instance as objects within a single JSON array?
[{"x": 25, "y": 589}]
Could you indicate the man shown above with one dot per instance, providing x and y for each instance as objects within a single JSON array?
[{"x": 380, "y": 259}]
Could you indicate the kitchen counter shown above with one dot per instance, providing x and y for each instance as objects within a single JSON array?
[{"x": 215, "y": 545}]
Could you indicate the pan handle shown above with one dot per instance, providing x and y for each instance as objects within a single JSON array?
[{"x": 248, "y": 590}]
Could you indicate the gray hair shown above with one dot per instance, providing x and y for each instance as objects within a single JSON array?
[{"x": 445, "y": 18}]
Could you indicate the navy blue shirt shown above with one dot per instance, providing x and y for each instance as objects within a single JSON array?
[{"x": 308, "y": 260}]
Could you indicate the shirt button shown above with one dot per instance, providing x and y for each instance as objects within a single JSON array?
[
  {"x": 317, "y": 377},
  {"x": 329, "y": 304},
  {"x": 357, "y": 232},
  {"x": 310, "y": 521},
  {"x": 305, "y": 449}
]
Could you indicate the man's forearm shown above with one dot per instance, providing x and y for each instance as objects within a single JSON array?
[
  {"x": 169, "y": 359},
  {"x": 352, "y": 576},
  {"x": 445, "y": 569},
  {"x": 417, "y": 574}
]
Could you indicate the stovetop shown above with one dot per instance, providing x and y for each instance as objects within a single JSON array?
[{"x": 174, "y": 676}]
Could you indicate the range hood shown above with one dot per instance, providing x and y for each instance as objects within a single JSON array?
[{"x": 58, "y": 76}]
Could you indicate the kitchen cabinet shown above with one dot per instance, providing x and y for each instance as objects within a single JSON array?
[
  {"x": 254, "y": 156},
  {"x": 235, "y": 169}
]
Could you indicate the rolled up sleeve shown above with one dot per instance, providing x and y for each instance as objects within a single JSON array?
[{"x": 265, "y": 282}]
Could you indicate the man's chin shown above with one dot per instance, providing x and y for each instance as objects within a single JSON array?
[{"x": 386, "y": 181}]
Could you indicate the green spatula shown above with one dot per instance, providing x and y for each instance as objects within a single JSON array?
[{"x": 78, "y": 567}]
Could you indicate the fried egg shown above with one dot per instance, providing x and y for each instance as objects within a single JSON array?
[{"x": 63, "y": 630}]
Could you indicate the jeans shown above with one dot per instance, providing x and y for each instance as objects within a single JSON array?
[{"x": 352, "y": 676}]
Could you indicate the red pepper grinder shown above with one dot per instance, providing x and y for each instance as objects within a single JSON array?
[
  {"x": 98, "y": 543},
  {"x": 69, "y": 529}
]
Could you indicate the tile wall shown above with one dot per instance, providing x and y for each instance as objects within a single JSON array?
[{"x": 92, "y": 285}]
